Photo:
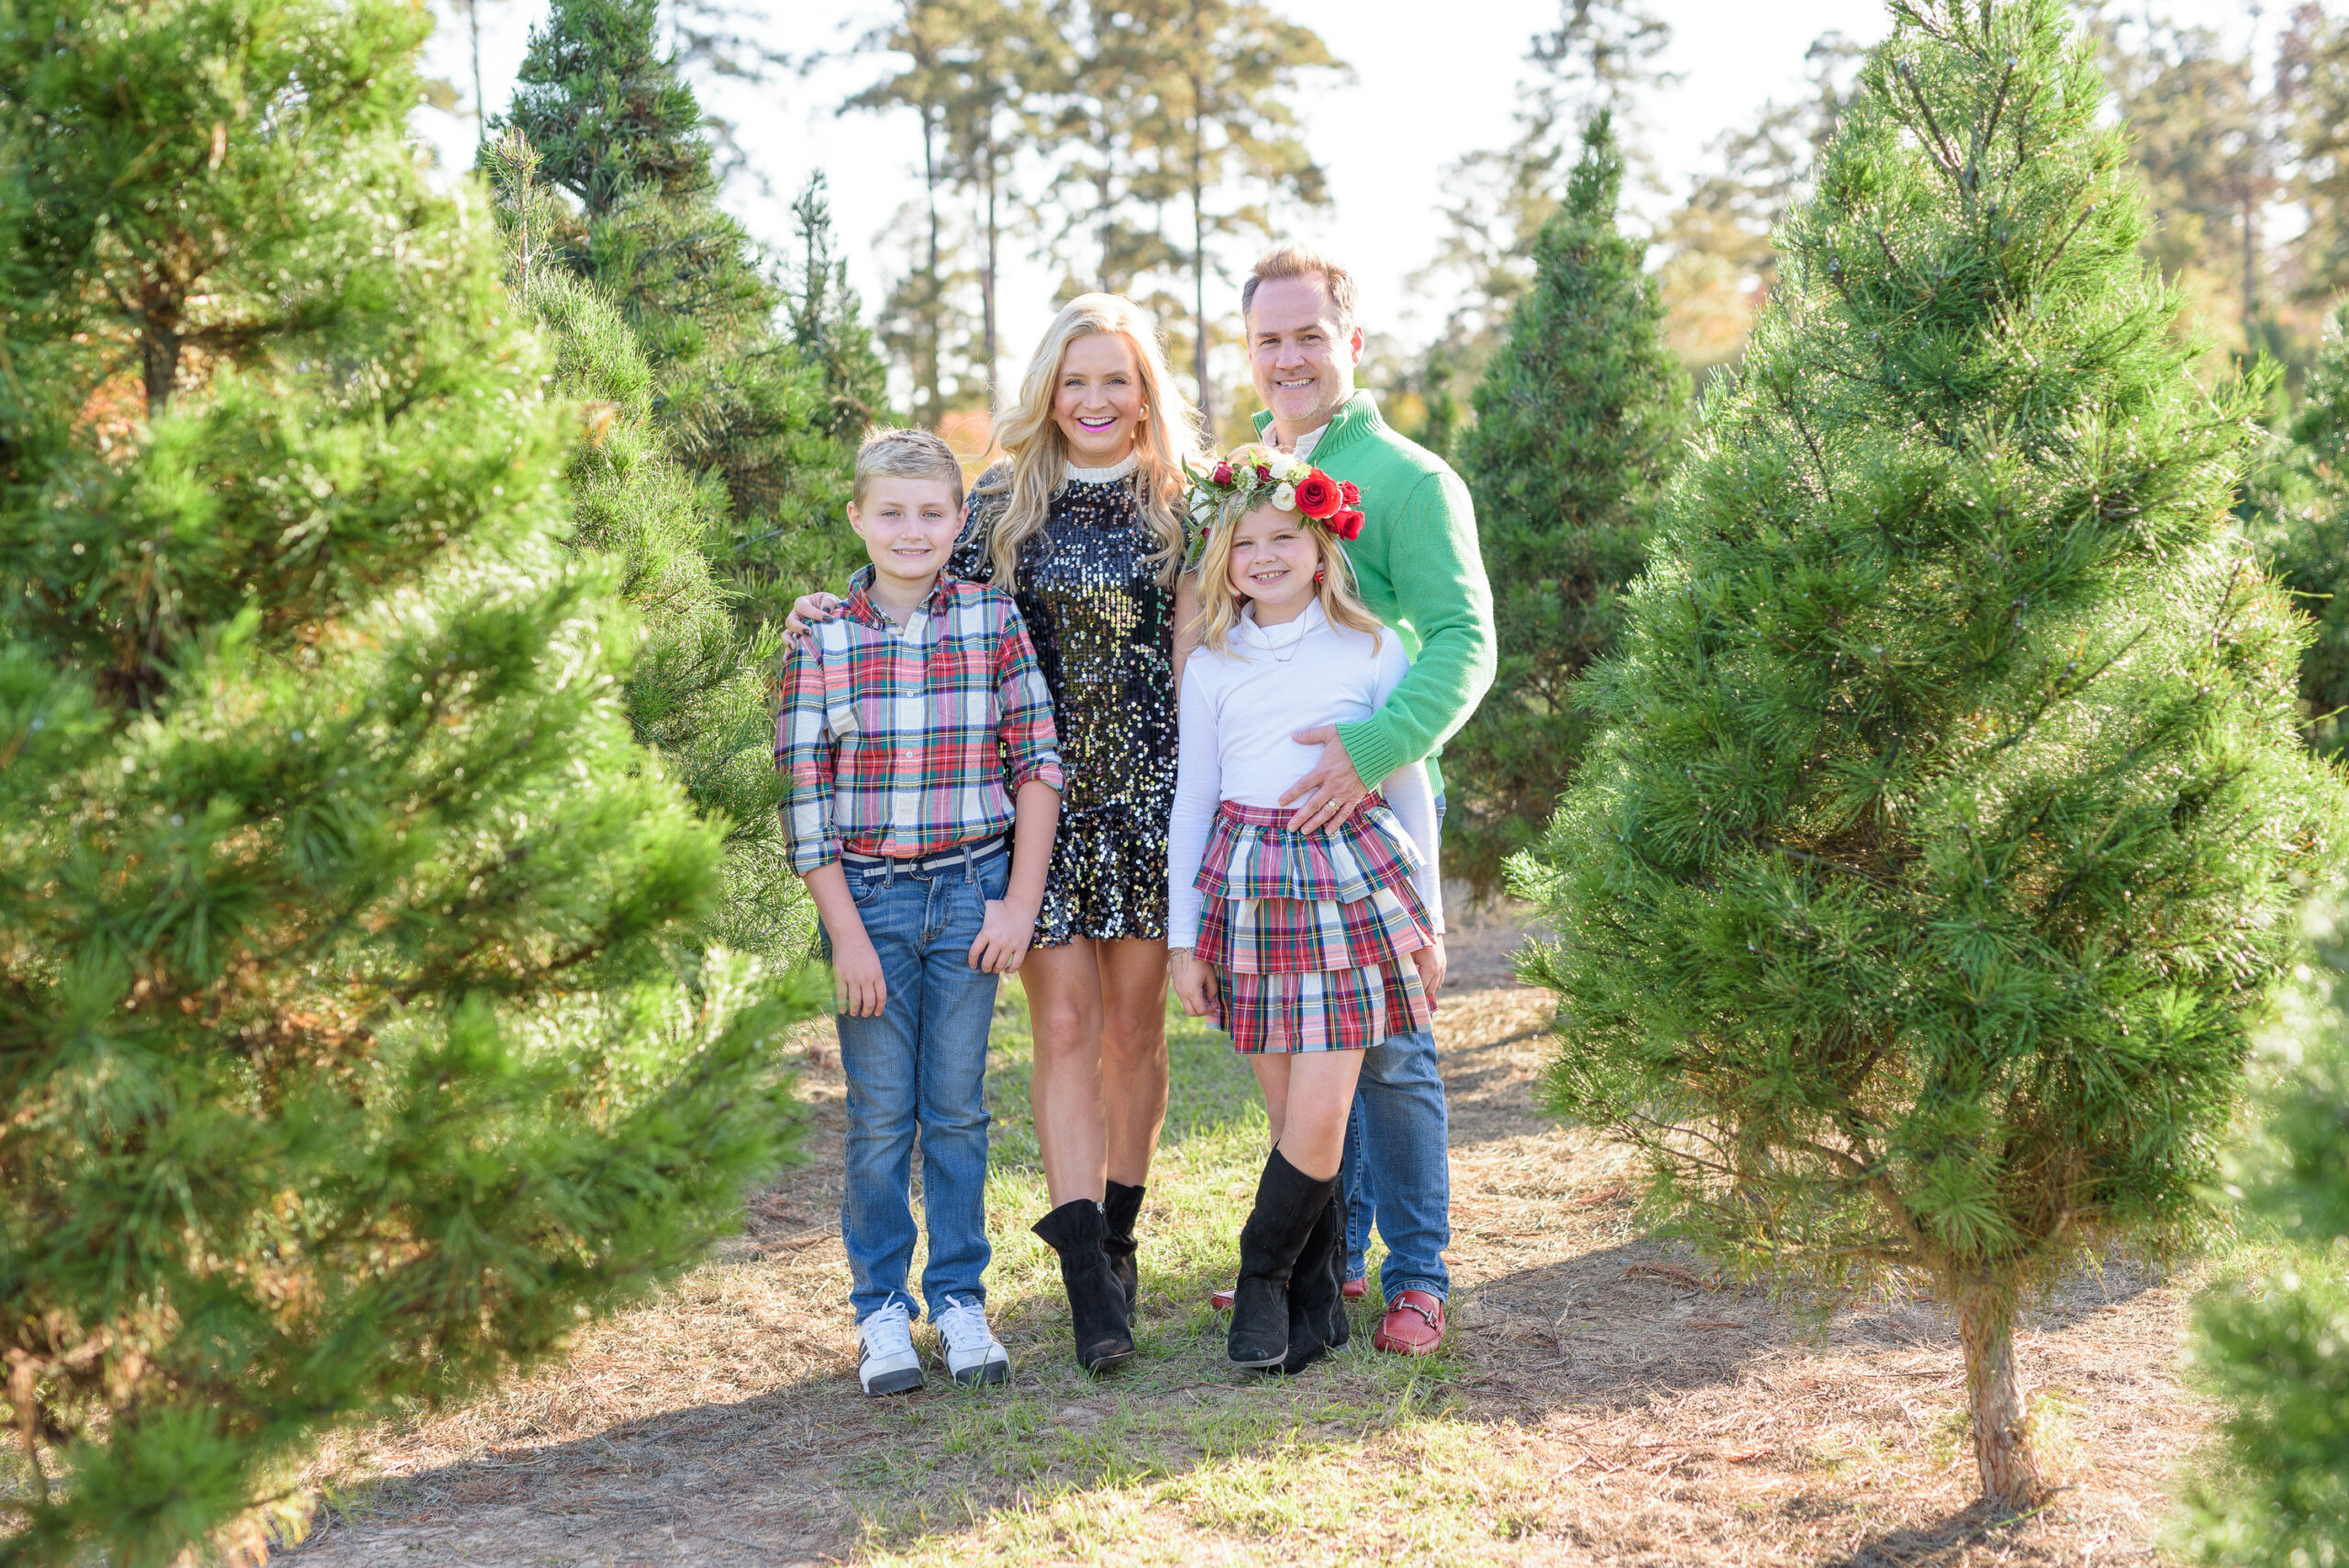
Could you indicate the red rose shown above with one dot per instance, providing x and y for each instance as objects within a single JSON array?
[
  {"x": 1347, "y": 488},
  {"x": 1347, "y": 525},
  {"x": 1262, "y": 473},
  {"x": 1222, "y": 473},
  {"x": 1318, "y": 496}
]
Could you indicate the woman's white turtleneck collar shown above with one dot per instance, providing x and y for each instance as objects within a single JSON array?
[
  {"x": 1116, "y": 470},
  {"x": 1283, "y": 635}
]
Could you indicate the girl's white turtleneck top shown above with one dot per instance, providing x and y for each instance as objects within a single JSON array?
[
  {"x": 1240, "y": 709},
  {"x": 1116, "y": 470}
]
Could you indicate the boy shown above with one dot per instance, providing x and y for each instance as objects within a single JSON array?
[{"x": 915, "y": 729}]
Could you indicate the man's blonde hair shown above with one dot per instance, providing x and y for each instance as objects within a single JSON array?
[
  {"x": 906, "y": 454},
  {"x": 1303, "y": 261}
]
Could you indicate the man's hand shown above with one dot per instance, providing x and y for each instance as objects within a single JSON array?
[
  {"x": 806, "y": 611},
  {"x": 1331, "y": 790},
  {"x": 1004, "y": 936},
  {"x": 858, "y": 987},
  {"x": 1431, "y": 962},
  {"x": 1194, "y": 984}
]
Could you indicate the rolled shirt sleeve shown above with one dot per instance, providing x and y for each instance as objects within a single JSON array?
[{"x": 806, "y": 753}]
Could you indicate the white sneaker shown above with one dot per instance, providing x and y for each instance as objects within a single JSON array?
[
  {"x": 973, "y": 1353},
  {"x": 885, "y": 1363}
]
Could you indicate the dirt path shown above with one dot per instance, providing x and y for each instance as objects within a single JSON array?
[{"x": 1599, "y": 1404}]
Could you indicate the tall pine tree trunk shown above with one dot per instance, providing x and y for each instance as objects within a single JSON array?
[
  {"x": 1199, "y": 248},
  {"x": 1986, "y": 1328},
  {"x": 481, "y": 104},
  {"x": 930, "y": 352},
  {"x": 987, "y": 276}
]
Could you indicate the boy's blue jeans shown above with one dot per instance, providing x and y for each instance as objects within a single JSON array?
[
  {"x": 1400, "y": 1110},
  {"x": 922, "y": 1064}
]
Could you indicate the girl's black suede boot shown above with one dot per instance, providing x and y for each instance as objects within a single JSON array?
[{"x": 1289, "y": 1204}]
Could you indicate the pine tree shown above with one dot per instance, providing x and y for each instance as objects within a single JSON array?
[
  {"x": 696, "y": 686},
  {"x": 609, "y": 115},
  {"x": 1578, "y": 414},
  {"x": 805, "y": 544},
  {"x": 2298, "y": 511},
  {"x": 1938, "y": 848},
  {"x": 346, "y": 1056},
  {"x": 2273, "y": 1346},
  {"x": 618, "y": 129}
]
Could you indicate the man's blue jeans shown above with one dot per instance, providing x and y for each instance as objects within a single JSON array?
[
  {"x": 1398, "y": 1167},
  {"x": 922, "y": 1064},
  {"x": 1405, "y": 1189}
]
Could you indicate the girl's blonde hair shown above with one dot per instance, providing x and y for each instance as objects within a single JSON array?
[
  {"x": 1220, "y": 602},
  {"x": 1168, "y": 439}
]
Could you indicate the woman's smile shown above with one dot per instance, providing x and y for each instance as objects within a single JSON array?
[{"x": 1099, "y": 403}]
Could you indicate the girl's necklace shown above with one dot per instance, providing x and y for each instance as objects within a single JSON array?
[{"x": 1296, "y": 643}]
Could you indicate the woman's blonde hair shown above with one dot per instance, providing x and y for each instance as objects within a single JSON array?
[
  {"x": 1219, "y": 602},
  {"x": 1167, "y": 441}
]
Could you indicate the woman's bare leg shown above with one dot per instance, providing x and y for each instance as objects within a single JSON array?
[
  {"x": 1308, "y": 1099},
  {"x": 1133, "y": 1053},
  {"x": 1064, "y": 1010}
]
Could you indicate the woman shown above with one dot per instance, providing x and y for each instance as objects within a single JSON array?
[{"x": 1084, "y": 523}]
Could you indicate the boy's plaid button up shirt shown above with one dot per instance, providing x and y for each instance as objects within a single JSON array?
[{"x": 905, "y": 740}]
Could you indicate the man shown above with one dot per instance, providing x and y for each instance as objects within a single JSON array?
[{"x": 1419, "y": 570}]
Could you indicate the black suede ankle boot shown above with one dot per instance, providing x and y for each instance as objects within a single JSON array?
[
  {"x": 1289, "y": 1204},
  {"x": 1120, "y": 1206},
  {"x": 1317, "y": 1323},
  {"x": 1096, "y": 1309}
]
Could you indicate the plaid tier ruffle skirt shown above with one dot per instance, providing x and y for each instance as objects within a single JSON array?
[{"x": 1310, "y": 934}]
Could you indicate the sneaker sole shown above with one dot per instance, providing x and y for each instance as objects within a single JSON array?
[
  {"x": 896, "y": 1382},
  {"x": 1259, "y": 1366},
  {"x": 980, "y": 1377}
]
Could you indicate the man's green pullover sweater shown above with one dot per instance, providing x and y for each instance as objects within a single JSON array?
[{"x": 1419, "y": 571}]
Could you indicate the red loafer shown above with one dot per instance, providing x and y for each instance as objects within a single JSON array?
[
  {"x": 1354, "y": 1289},
  {"x": 1413, "y": 1325}
]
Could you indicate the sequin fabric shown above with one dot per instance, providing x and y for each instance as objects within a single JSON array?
[{"x": 1103, "y": 629}]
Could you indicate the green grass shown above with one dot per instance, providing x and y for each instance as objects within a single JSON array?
[{"x": 1060, "y": 1465}]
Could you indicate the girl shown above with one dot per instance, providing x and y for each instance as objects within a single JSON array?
[{"x": 1308, "y": 946}]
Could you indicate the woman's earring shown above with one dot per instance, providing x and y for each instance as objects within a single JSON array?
[{"x": 1317, "y": 574}]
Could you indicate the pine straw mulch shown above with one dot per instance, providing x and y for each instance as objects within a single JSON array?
[{"x": 1601, "y": 1402}]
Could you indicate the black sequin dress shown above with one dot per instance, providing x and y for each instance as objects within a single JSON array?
[{"x": 1103, "y": 629}]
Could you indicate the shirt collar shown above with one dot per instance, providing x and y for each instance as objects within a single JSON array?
[
  {"x": 1354, "y": 415},
  {"x": 860, "y": 608}
]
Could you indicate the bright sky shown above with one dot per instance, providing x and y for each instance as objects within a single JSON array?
[{"x": 1431, "y": 83}]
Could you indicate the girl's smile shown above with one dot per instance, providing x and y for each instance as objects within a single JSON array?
[{"x": 1274, "y": 561}]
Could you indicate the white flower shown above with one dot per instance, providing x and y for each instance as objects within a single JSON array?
[
  {"x": 1298, "y": 469},
  {"x": 1285, "y": 497}
]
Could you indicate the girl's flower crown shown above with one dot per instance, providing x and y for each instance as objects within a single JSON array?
[{"x": 1252, "y": 475}]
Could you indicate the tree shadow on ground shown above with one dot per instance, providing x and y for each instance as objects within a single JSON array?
[{"x": 1945, "y": 1540}]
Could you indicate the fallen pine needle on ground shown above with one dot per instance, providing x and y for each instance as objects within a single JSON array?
[{"x": 1601, "y": 1400}]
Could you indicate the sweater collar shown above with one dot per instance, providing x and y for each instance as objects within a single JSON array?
[
  {"x": 1109, "y": 475},
  {"x": 1357, "y": 416},
  {"x": 1285, "y": 635}
]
